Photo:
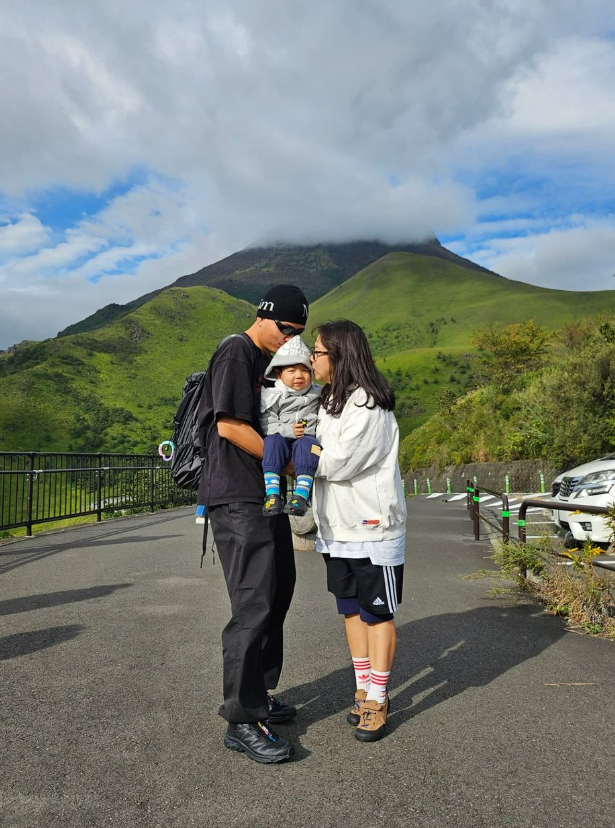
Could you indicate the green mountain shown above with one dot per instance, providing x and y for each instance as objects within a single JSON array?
[
  {"x": 420, "y": 312},
  {"x": 248, "y": 274},
  {"x": 116, "y": 388}
]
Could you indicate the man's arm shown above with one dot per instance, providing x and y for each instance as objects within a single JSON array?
[{"x": 242, "y": 435}]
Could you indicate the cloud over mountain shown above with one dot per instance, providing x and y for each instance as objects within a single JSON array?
[{"x": 203, "y": 127}]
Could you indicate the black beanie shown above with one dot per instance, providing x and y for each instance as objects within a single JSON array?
[{"x": 286, "y": 303}]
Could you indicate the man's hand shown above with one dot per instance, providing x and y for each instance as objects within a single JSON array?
[{"x": 299, "y": 429}]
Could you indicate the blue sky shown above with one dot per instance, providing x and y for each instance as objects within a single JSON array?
[{"x": 134, "y": 152}]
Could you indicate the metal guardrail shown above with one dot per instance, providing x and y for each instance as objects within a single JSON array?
[
  {"x": 473, "y": 506},
  {"x": 37, "y": 487}
]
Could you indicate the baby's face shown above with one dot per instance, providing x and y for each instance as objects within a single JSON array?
[{"x": 296, "y": 377}]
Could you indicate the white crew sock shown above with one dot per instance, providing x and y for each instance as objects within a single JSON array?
[
  {"x": 362, "y": 672},
  {"x": 378, "y": 686}
]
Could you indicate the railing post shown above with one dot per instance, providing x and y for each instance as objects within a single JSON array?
[
  {"x": 505, "y": 519},
  {"x": 521, "y": 521},
  {"x": 468, "y": 495},
  {"x": 99, "y": 489},
  {"x": 475, "y": 513},
  {"x": 151, "y": 484},
  {"x": 30, "y": 496}
]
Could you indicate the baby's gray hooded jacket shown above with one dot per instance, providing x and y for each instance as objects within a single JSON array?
[{"x": 281, "y": 406}]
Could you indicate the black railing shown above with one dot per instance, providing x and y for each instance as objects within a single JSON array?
[
  {"x": 473, "y": 506},
  {"x": 42, "y": 487}
]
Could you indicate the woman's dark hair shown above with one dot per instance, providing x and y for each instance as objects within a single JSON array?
[{"x": 352, "y": 365}]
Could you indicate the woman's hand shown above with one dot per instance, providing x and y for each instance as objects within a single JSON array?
[{"x": 299, "y": 429}]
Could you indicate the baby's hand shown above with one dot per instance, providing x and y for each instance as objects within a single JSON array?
[{"x": 299, "y": 429}]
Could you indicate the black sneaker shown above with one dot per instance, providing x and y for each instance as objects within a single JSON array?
[
  {"x": 258, "y": 742},
  {"x": 273, "y": 505},
  {"x": 297, "y": 505},
  {"x": 278, "y": 711}
]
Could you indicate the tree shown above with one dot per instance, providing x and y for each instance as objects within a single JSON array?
[
  {"x": 506, "y": 353},
  {"x": 446, "y": 400}
]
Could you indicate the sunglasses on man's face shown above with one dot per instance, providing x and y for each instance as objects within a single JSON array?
[{"x": 288, "y": 330}]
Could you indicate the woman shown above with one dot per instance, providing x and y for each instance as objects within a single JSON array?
[{"x": 360, "y": 511}]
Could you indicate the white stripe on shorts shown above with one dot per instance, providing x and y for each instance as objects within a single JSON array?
[{"x": 391, "y": 587}]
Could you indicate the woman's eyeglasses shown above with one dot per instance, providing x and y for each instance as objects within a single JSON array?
[
  {"x": 314, "y": 354},
  {"x": 288, "y": 330}
]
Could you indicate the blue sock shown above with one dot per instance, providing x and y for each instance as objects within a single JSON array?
[
  {"x": 303, "y": 486},
  {"x": 272, "y": 483}
]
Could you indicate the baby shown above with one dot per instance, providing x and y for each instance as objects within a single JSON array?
[{"x": 288, "y": 419}]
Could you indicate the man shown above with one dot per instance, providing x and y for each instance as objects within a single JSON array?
[{"x": 256, "y": 552}]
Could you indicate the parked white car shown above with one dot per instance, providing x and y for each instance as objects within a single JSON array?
[{"x": 590, "y": 484}]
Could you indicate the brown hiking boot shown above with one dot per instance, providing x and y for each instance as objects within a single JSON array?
[
  {"x": 354, "y": 717},
  {"x": 373, "y": 721}
]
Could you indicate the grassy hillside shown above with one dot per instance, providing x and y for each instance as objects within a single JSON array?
[
  {"x": 563, "y": 411},
  {"x": 115, "y": 389},
  {"x": 249, "y": 273},
  {"x": 420, "y": 312}
]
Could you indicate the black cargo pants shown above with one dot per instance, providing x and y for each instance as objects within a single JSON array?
[{"x": 258, "y": 561}]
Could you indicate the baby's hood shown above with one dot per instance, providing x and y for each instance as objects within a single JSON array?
[{"x": 293, "y": 352}]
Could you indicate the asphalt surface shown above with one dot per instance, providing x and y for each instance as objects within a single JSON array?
[{"x": 111, "y": 678}]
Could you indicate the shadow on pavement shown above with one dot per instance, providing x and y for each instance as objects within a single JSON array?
[
  {"x": 55, "y": 599},
  {"x": 21, "y": 644},
  {"x": 437, "y": 658},
  {"x": 20, "y": 556}
]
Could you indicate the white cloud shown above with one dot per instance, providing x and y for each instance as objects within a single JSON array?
[
  {"x": 578, "y": 257},
  {"x": 21, "y": 235},
  {"x": 52, "y": 304},
  {"x": 571, "y": 92},
  {"x": 283, "y": 121}
]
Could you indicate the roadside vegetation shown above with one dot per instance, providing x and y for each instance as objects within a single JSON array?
[
  {"x": 564, "y": 580},
  {"x": 540, "y": 394}
]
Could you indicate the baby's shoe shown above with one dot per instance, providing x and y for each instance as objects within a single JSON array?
[
  {"x": 297, "y": 506},
  {"x": 273, "y": 505}
]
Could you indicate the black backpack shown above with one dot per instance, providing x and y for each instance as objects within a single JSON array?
[{"x": 187, "y": 463}]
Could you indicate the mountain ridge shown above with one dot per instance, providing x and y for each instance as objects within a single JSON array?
[{"x": 248, "y": 273}]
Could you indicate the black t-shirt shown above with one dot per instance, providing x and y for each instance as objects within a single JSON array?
[{"x": 233, "y": 389}]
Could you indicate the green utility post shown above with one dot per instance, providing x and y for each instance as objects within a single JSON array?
[
  {"x": 416, "y": 486},
  {"x": 448, "y": 486},
  {"x": 428, "y": 486},
  {"x": 542, "y": 483},
  {"x": 507, "y": 483}
]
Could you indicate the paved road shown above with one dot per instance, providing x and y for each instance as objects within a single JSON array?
[{"x": 111, "y": 681}]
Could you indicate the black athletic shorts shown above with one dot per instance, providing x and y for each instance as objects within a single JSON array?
[{"x": 378, "y": 588}]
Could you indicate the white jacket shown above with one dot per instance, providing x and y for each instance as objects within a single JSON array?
[{"x": 358, "y": 493}]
